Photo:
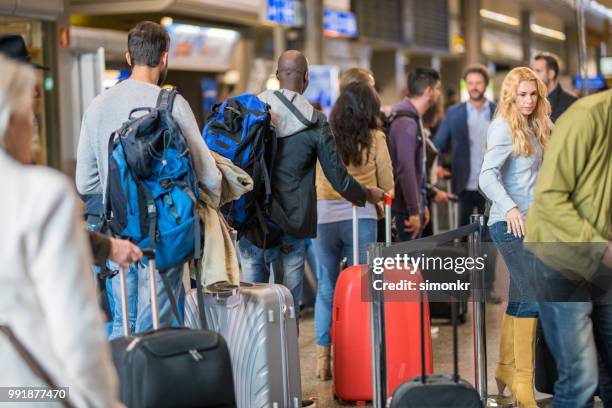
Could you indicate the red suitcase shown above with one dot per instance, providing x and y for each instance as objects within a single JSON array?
[{"x": 352, "y": 361}]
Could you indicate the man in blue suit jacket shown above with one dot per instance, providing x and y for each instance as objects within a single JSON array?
[{"x": 465, "y": 128}]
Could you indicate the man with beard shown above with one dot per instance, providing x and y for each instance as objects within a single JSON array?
[
  {"x": 407, "y": 151},
  {"x": 147, "y": 55},
  {"x": 465, "y": 129},
  {"x": 546, "y": 68}
]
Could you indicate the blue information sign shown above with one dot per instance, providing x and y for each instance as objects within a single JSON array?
[
  {"x": 282, "y": 11},
  {"x": 339, "y": 23},
  {"x": 594, "y": 83}
]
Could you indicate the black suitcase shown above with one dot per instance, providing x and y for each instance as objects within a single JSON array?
[
  {"x": 440, "y": 304},
  {"x": 171, "y": 367},
  {"x": 545, "y": 368},
  {"x": 437, "y": 390}
]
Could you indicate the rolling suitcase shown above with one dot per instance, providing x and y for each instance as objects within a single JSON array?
[
  {"x": 545, "y": 368},
  {"x": 437, "y": 390},
  {"x": 259, "y": 323},
  {"x": 351, "y": 341},
  {"x": 171, "y": 367}
]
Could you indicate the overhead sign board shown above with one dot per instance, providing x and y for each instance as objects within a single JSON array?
[
  {"x": 199, "y": 48},
  {"x": 283, "y": 12},
  {"x": 339, "y": 23}
]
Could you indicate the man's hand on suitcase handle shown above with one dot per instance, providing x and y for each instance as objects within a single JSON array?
[
  {"x": 374, "y": 194},
  {"x": 124, "y": 252}
]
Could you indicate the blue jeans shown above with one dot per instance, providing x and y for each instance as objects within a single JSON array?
[
  {"x": 289, "y": 255},
  {"x": 521, "y": 299},
  {"x": 139, "y": 299},
  {"x": 334, "y": 240},
  {"x": 579, "y": 335}
]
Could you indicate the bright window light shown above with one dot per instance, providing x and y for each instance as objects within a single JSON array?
[
  {"x": 500, "y": 18},
  {"x": 548, "y": 32}
]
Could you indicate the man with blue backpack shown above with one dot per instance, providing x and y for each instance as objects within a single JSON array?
[
  {"x": 272, "y": 230},
  {"x": 141, "y": 148}
]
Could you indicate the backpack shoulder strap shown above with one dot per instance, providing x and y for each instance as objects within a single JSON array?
[
  {"x": 405, "y": 114},
  {"x": 165, "y": 99},
  {"x": 293, "y": 109}
]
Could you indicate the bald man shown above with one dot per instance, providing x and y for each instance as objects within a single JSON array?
[{"x": 303, "y": 137}]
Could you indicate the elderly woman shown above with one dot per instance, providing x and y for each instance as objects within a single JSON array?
[{"x": 48, "y": 305}]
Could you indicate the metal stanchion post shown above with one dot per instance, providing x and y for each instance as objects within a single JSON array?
[
  {"x": 377, "y": 332},
  {"x": 479, "y": 303}
]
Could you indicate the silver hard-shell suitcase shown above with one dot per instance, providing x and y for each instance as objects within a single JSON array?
[{"x": 259, "y": 324}]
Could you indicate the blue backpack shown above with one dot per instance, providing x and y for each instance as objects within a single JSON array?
[
  {"x": 152, "y": 189},
  {"x": 239, "y": 129}
]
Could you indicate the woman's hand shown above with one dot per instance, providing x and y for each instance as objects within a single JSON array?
[{"x": 514, "y": 219}]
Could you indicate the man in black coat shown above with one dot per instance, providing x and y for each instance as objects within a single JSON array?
[
  {"x": 304, "y": 137},
  {"x": 546, "y": 68}
]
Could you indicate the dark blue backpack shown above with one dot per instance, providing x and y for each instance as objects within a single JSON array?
[
  {"x": 152, "y": 189},
  {"x": 239, "y": 128}
]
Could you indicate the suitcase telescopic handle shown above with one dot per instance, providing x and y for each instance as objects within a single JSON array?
[
  {"x": 355, "y": 235},
  {"x": 124, "y": 302},
  {"x": 388, "y": 202},
  {"x": 150, "y": 255}
]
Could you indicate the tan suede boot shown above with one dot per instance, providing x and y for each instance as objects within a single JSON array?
[
  {"x": 324, "y": 363},
  {"x": 504, "y": 373},
  {"x": 524, "y": 350}
]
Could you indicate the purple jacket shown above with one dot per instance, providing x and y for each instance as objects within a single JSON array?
[{"x": 406, "y": 152}]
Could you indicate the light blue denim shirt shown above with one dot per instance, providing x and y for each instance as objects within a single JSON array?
[
  {"x": 478, "y": 122},
  {"x": 507, "y": 180}
]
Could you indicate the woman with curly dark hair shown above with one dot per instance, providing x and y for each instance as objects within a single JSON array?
[{"x": 361, "y": 144}]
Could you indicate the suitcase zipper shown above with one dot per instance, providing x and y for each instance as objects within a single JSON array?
[
  {"x": 132, "y": 344},
  {"x": 196, "y": 355}
]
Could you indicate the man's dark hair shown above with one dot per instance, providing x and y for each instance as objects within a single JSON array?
[
  {"x": 146, "y": 43},
  {"x": 551, "y": 62},
  {"x": 420, "y": 79},
  {"x": 477, "y": 69}
]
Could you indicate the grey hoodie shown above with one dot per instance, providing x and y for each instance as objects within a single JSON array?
[{"x": 284, "y": 120}]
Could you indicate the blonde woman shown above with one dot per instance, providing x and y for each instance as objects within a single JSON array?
[
  {"x": 47, "y": 297},
  {"x": 515, "y": 141}
]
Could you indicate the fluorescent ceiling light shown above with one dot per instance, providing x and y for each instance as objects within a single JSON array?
[
  {"x": 548, "y": 32},
  {"x": 600, "y": 8},
  {"x": 500, "y": 18}
]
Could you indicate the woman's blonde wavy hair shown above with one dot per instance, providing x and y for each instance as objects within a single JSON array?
[{"x": 538, "y": 122}]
